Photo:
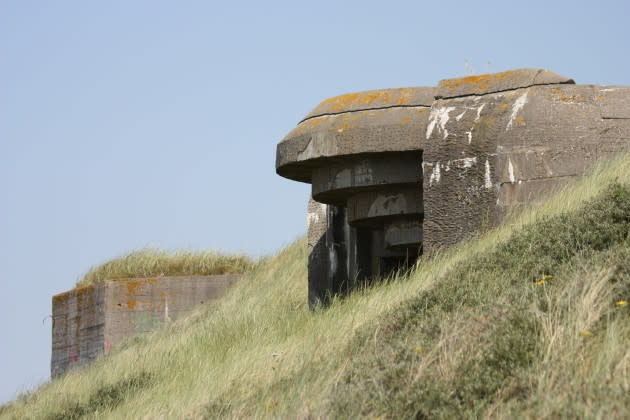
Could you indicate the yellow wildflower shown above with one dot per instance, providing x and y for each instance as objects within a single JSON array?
[
  {"x": 539, "y": 283},
  {"x": 546, "y": 277},
  {"x": 622, "y": 303},
  {"x": 419, "y": 348},
  {"x": 586, "y": 333}
]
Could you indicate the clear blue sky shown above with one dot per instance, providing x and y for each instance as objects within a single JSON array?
[{"x": 126, "y": 124}]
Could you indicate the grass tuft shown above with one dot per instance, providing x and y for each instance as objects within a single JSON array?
[
  {"x": 153, "y": 263},
  {"x": 103, "y": 399}
]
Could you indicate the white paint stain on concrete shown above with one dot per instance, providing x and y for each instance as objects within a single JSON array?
[
  {"x": 488, "y": 179},
  {"x": 469, "y": 162},
  {"x": 458, "y": 163},
  {"x": 518, "y": 105},
  {"x": 435, "y": 175},
  {"x": 332, "y": 258},
  {"x": 439, "y": 117},
  {"x": 313, "y": 216},
  {"x": 167, "y": 318},
  {"x": 332, "y": 254},
  {"x": 511, "y": 171},
  {"x": 478, "y": 117}
]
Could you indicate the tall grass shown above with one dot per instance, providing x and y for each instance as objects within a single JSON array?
[
  {"x": 509, "y": 327},
  {"x": 472, "y": 332},
  {"x": 154, "y": 262}
]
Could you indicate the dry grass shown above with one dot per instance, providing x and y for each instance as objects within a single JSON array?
[
  {"x": 492, "y": 339},
  {"x": 508, "y": 348},
  {"x": 154, "y": 263}
]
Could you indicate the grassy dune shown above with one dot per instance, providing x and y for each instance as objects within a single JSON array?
[
  {"x": 527, "y": 320},
  {"x": 153, "y": 262}
]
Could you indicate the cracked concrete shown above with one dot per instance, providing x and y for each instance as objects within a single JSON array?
[{"x": 498, "y": 82}]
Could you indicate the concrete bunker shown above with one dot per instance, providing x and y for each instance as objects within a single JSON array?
[
  {"x": 395, "y": 173},
  {"x": 91, "y": 320},
  {"x": 400, "y": 172},
  {"x": 361, "y": 154}
]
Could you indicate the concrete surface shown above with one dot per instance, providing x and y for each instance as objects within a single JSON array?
[
  {"x": 399, "y": 172},
  {"x": 92, "y": 320}
]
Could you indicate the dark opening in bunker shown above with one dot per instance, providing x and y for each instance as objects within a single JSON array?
[{"x": 374, "y": 229}]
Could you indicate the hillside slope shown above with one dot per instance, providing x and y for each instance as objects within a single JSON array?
[{"x": 527, "y": 320}]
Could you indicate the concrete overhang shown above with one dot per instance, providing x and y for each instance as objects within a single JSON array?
[{"x": 346, "y": 126}]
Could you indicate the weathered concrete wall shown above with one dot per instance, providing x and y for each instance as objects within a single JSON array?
[
  {"x": 78, "y": 330},
  {"x": 322, "y": 253},
  {"x": 93, "y": 319},
  {"x": 362, "y": 156},
  {"x": 491, "y": 148},
  {"x": 416, "y": 169}
]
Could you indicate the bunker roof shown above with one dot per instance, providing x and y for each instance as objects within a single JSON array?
[
  {"x": 374, "y": 99},
  {"x": 498, "y": 82}
]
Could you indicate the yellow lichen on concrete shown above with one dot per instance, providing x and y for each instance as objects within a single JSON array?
[
  {"x": 477, "y": 84},
  {"x": 404, "y": 120},
  {"x": 133, "y": 286},
  {"x": 343, "y": 126},
  {"x": 315, "y": 122},
  {"x": 61, "y": 298},
  {"x": 330, "y": 122},
  {"x": 385, "y": 97},
  {"x": 558, "y": 95}
]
